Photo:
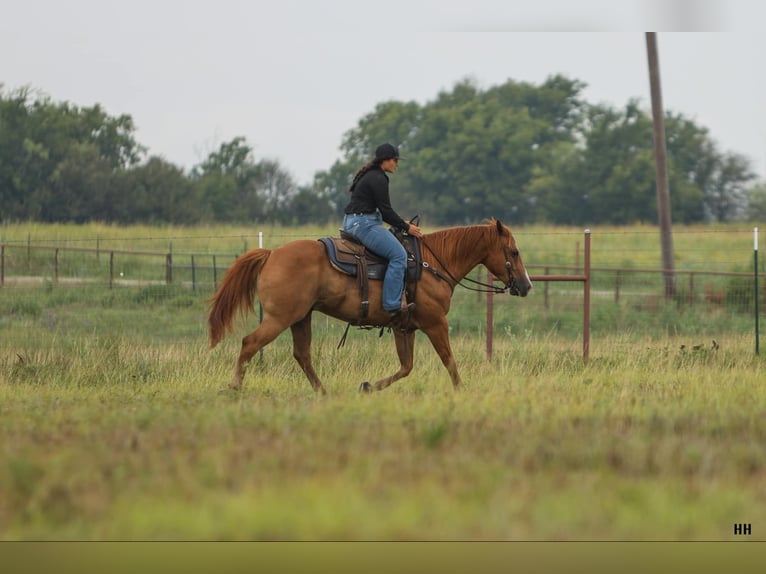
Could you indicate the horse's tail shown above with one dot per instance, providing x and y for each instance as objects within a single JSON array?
[{"x": 237, "y": 292}]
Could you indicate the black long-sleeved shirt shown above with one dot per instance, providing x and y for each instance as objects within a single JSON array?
[{"x": 371, "y": 193}]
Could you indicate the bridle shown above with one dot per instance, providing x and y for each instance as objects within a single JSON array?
[{"x": 510, "y": 286}]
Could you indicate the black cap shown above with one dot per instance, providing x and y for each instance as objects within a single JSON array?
[{"x": 386, "y": 151}]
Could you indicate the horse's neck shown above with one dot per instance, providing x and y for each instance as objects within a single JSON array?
[{"x": 460, "y": 249}]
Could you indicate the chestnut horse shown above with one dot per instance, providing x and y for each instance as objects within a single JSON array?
[{"x": 296, "y": 279}]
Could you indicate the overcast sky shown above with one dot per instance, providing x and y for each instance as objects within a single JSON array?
[{"x": 292, "y": 76}]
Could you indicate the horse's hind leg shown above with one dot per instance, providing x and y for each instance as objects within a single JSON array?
[
  {"x": 266, "y": 332},
  {"x": 405, "y": 345},
  {"x": 302, "y": 351}
]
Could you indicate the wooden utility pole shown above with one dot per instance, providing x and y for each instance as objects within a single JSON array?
[{"x": 661, "y": 167}]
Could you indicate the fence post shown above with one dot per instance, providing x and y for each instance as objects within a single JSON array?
[
  {"x": 168, "y": 268},
  {"x": 194, "y": 274},
  {"x": 586, "y": 301},
  {"x": 545, "y": 290},
  {"x": 111, "y": 269},
  {"x": 617, "y": 283},
  {"x": 2, "y": 265},
  {"x": 56, "y": 266},
  {"x": 755, "y": 275},
  {"x": 490, "y": 322},
  {"x": 215, "y": 275},
  {"x": 691, "y": 289},
  {"x": 478, "y": 278},
  {"x": 260, "y": 306}
]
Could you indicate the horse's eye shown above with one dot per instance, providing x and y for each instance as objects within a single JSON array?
[{"x": 515, "y": 252}]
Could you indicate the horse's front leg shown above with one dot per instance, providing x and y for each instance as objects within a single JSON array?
[
  {"x": 302, "y": 351},
  {"x": 438, "y": 334},
  {"x": 405, "y": 345}
]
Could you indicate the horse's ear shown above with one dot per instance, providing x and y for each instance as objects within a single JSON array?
[{"x": 499, "y": 227}]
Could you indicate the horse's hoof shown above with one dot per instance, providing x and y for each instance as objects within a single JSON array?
[{"x": 365, "y": 387}]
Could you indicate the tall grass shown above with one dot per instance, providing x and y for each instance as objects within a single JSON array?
[{"x": 115, "y": 438}]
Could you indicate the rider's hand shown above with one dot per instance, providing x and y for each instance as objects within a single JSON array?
[{"x": 414, "y": 230}]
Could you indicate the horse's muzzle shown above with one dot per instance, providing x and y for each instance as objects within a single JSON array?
[{"x": 519, "y": 288}]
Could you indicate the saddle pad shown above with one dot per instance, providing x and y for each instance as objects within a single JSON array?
[{"x": 376, "y": 269}]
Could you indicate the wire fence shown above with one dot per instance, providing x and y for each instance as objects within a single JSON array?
[
  {"x": 714, "y": 279},
  {"x": 61, "y": 266}
]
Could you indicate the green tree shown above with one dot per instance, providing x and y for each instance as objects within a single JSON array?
[
  {"x": 330, "y": 190},
  {"x": 726, "y": 196},
  {"x": 75, "y": 188},
  {"x": 469, "y": 154},
  {"x": 756, "y": 207},
  {"x": 520, "y": 152},
  {"x": 275, "y": 189},
  {"x": 612, "y": 177},
  {"x": 56, "y": 159},
  {"x": 493, "y": 150},
  {"x": 235, "y": 187},
  {"x": 307, "y": 207},
  {"x": 24, "y": 162},
  {"x": 156, "y": 191}
]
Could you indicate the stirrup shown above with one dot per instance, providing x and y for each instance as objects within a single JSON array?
[{"x": 405, "y": 308}]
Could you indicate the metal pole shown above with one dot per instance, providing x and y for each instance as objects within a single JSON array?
[
  {"x": 691, "y": 288},
  {"x": 478, "y": 278},
  {"x": 757, "y": 295},
  {"x": 168, "y": 269},
  {"x": 586, "y": 301},
  {"x": 490, "y": 322},
  {"x": 260, "y": 307}
]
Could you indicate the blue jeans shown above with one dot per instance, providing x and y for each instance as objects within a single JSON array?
[{"x": 369, "y": 230}]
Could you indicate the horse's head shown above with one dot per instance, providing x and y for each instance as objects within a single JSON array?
[{"x": 504, "y": 260}]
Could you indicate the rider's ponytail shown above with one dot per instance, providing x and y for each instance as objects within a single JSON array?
[{"x": 362, "y": 170}]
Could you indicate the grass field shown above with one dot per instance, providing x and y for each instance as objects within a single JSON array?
[
  {"x": 130, "y": 436},
  {"x": 115, "y": 425},
  {"x": 714, "y": 248}
]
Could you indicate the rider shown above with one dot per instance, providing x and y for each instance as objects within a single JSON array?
[{"x": 369, "y": 207}]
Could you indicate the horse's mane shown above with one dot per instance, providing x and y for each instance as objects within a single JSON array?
[{"x": 457, "y": 243}]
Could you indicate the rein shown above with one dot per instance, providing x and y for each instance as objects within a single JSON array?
[{"x": 490, "y": 288}]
